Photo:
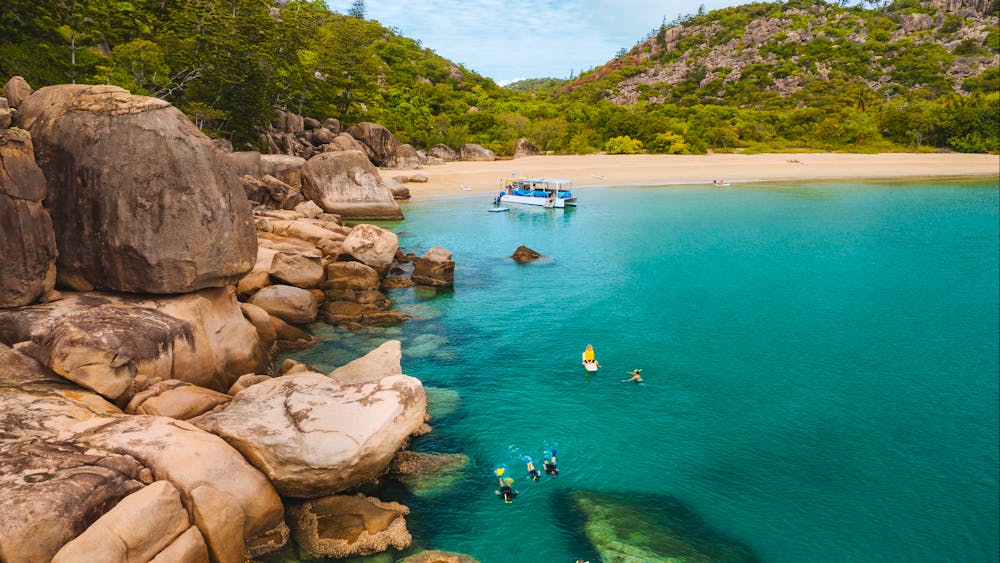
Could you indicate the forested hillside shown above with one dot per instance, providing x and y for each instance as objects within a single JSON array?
[{"x": 803, "y": 74}]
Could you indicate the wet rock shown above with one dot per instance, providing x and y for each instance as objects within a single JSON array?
[
  {"x": 441, "y": 401},
  {"x": 437, "y": 556},
  {"x": 523, "y": 254},
  {"x": 347, "y": 184},
  {"x": 175, "y": 220},
  {"x": 427, "y": 475},
  {"x": 322, "y": 437},
  {"x": 434, "y": 268},
  {"x": 343, "y": 526}
]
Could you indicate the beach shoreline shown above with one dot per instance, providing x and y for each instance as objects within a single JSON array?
[{"x": 662, "y": 170}]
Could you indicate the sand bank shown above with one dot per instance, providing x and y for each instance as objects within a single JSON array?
[{"x": 602, "y": 169}]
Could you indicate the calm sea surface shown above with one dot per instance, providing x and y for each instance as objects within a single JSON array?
[{"x": 821, "y": 366}]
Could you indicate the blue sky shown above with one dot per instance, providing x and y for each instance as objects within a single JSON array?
[{"x": 508, "y": 40}]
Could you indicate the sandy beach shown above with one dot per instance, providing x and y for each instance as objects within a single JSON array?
[{"x": 654, "y": 170}]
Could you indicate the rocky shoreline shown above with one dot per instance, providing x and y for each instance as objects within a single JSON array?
[{"x": 149, "y": 280}]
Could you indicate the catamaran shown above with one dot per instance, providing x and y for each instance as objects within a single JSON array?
[{"x": 544, "y": 192}]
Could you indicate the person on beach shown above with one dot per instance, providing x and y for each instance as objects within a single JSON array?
[
  {"x": 635, "y": 376},
  {"x": 533, "y": 473},
  {"x": 549, "y": 465}
]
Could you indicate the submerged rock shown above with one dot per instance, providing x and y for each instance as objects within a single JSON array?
[
  {"x": 342, "y": 526},
  {"x": 441, "y": 402},
  {"x": 427, "y": 475},
  {"x": 435, "y": 556},
  {"x": 652, "y": 528}
]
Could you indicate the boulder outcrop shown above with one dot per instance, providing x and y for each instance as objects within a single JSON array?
[
  {"x": 523, "y": 254},
  {"x": 404, "y": 158},
  {"x": 372, "y": 246},
  {"x": 379, "y": 142},
  {"x": 347, "y": 184},
  {"x": 373, "y": 366},
  {"x": 42, "y": 484},
  {"x": 16, "y": 90},
  {"x": 147, "y": 524},
  {"x": 27, "y": 240},
  {"x": 472, "y": 151},
  {"x": 444, "y": 152},
  {"x": 344, "y": 526},
  {"x": 233, "y": 504},
  {"x": 313, "y": 436},
  {"x": 435, "y": 268},
  {"x": 117, "y": 345},
  {"x": 291, "y": 304},
  {"x": 523, "y": 147},
  {"x": 175, "y": 220}
]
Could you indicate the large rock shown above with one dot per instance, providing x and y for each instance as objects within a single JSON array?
[
  {"x": 116, "y": 345},
  {"x": 16, "y": 90},
  {"x": 523, "y": 255},
  {"x": 351, "y": 275},
  {"x": 344, "y": 142},
  {"x": 176, "y": 399},
  {"x": 286, "y": 168},
  {"x": 472, "y": 151},
  {"x": 291, "y": 304},
  {"x": 435, "y": 268},
  {"x": 246, "y": 163},
  {"x": 373, "y": 366},
  {"x": 398, "y": 190},
  {"x": 372, "y": 246},
  {"x": 148, "y": 523},
  {"x": 300, "y": 269},
  {"x": 52, "y": 491},
  {"x": 344, "y": 526},
  {"x": 313, "y": 436},
  {"x": 444, "y": 152},
  {"x": 347, "y": 184},
  {"x": 27, "y": 240},
  {"x": 428, "y": 475},
  {"x": 37, "y": 404},
  {"x": 437, "y": 556},
  {"x": 233, "y": 504},
  {"x": 523, "y": 147},
  {"x": 379, "y": 142},
  {"x": 405, "y": 158},
  {"x": 141, "y": 200}
]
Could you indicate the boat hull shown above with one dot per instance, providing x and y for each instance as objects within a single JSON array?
[{"x": 557, "y": 202}]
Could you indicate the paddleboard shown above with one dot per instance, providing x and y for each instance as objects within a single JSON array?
[
  {"x": 590, "y": 366},
  {"x": 498, "y": 209}
]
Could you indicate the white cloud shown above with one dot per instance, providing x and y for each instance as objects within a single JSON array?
[{"x": 504, "y": 39}]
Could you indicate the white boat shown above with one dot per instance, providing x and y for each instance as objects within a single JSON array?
[
  {"x": 465, "y": 188},
  {"x": 543, "y": 192},
  {"x": 498, "y": 209}
]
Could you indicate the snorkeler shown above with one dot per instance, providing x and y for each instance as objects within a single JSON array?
[
  {"x": 505, "y": 492},
  {"x": 549, "y": 465},
  {"x": 635, "y": 376},
  {"x": 533, "y": 473}
]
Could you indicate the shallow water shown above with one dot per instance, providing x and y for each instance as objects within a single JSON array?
[{"x": 820, "y": 364}]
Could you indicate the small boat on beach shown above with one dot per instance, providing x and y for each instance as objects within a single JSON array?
[
  {"x": 543, "y": 192},
  {"x": 498, "y": 209},
  {"x": 464, "y": 187},
  {"x": 599, "y": 177}
]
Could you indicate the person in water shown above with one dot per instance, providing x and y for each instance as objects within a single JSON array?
[
  {"x": 533, "y": 473},
  {"x": 549, "y": 465},
  {"x": 588, "y": 357},
  {"x": 505, "y": 492},
  {"x": 635, "y": 376}
]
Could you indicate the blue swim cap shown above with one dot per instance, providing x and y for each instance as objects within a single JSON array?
[{"x": 527, "y": 459}]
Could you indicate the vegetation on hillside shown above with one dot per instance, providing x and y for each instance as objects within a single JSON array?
[{"x": 801, "y": 74}]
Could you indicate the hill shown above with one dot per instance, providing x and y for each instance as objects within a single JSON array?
[{"x": 802, "y": 74}]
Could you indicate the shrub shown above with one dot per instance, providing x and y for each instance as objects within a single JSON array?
[
  {"x": 623, "y": 145},
  {"x": 669, "y": 143}
]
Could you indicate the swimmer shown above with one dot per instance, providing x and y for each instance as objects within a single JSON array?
[
  {"x": 549, "y": 465},
  {"x": 505, "y": 492},
  {"x": 533, "y": 473},
  {"x": 635, "y": 376}
]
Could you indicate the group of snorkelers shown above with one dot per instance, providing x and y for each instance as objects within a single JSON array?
[{"x": 508, "y": 494}]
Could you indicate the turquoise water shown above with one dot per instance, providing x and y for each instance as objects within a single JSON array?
[{"x": 821, "y": 366}]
